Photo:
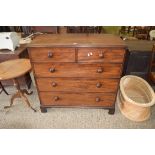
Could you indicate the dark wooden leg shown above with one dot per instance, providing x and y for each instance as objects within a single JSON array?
[
  {"x": 111, "y": 111},
  {"x": 3, "y": 89},
  {"x": 26, "y": 92},
  {"x": 29, "y": 85},
  {"x": 28, "y": 80},
  {"x": 43, "y": 109}
]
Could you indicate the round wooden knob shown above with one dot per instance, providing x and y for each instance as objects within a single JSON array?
[
  {"x": 50, "y": 54},
  {"x": 52, "y": 70},
  {"x": 56, "y": 98},
  {"x": 54, "y": 84},
  {"x": 98, "y": 99},
  {"x": 100, "y": 70},
  {"x": 101, "y": 55},
  {"x": 98, "y": 85}
]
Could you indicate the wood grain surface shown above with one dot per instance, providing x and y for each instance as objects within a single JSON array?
[
  {"x": 77, "y": 40},
  {"x": 14, "y": 68},
  {"x": 77, "y": 99},
  {"x": 78, "y": 70},
  {"x": 100, "y": 55},
  {"x": 48, "y": 54},
  {"x": 77, "y": 84}
]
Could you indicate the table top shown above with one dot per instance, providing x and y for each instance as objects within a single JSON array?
[
  {"x": 77, "y": 40},
  {"x": 14, "y": 68},
  {"x": 17, "y": 51},
  {"x": 140, "y": 45}
]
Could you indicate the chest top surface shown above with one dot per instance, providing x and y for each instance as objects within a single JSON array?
[{"x": 77, "y": 40}]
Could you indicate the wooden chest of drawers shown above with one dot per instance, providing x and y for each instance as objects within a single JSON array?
[{"x": 77, "y": 70}]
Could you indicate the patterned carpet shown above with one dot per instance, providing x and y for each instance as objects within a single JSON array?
[{"x": 20, "y": 116}]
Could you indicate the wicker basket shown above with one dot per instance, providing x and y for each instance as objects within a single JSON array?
[{"x": 135, "y": 98}]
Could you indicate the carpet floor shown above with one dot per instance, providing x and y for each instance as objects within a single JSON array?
[{"x": 20, "y": 116}]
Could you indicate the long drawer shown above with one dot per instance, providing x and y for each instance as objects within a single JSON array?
[
  {"x": 100, "y": 55},
  {"x": 77, "y": 84},
  {"x": 48, "y": 54},
  {"x": 77, "y": 70},
  {"x": 77, "y": 99}
]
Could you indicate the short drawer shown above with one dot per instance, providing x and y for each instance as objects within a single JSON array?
[
  {"x": 45, "y": 54},
  {"x": 77, "y": 70},
  {"x": 77, "y": 99},
  {"x": 101, "y": 55},
  {"x": 77, "y": 84}
]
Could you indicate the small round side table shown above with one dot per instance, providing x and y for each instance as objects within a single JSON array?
[{"x": 13, "y": 69}]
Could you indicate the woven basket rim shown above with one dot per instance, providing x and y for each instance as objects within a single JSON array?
[{"x": 152, "y": 102}]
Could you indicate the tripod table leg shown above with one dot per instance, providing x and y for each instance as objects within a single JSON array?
[
  {"x": 12, "y": 99},
  {"x": 20, "y": 94},
  {"x": 24, "y": 98}
]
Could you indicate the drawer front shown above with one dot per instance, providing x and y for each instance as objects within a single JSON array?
[
  {"x": 43, "y": 54},
  {"x": 77, "y": 70},
  {"x": 77, "y": 99},
  {"x": 100, "y": 55},
  {"x": 77, "y": 84}
]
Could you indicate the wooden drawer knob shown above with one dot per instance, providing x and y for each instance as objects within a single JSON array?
[
  {"x": 54, "y": 84},
  {"x": 100, "y": 70},
  {"x": 101, "y": 55},
  {"x": 56, "y": 98},
  {"x": 50, "y": 54},
  {"x": 98, "y": 99},
  {"x": 52, "y": 70},
  {"x": 98, "y": 85}
]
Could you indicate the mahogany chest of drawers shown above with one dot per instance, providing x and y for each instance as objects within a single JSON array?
[{"x": 77, "y": 70}]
